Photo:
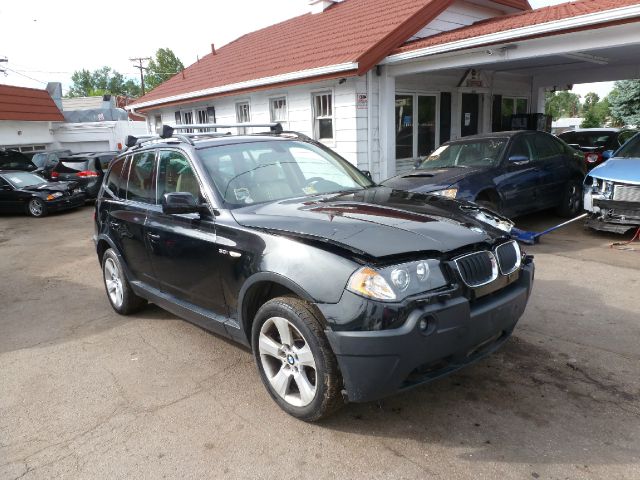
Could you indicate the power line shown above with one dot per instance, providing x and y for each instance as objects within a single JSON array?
[
  {"x": 25, "y": 76},
  {"x": 141, "y": 68}
]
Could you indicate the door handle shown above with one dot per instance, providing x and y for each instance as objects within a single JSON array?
[{"x": 153, "y": 236}]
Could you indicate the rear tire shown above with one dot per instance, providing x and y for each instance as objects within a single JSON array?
[
  {"x": 294, "y": 359},
  {"x": 571, "y": 200},
  {"x": 36, "y": 208},
  {"x": 119, "y": 291}
]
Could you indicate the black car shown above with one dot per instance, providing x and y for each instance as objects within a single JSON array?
[
  {"x": 597, "y": 144},
  {"x": 14, "y": 160},
  {"x": 24, "y": 192},
  {"x": 343, "y": 289},
  {"x": 513, "y": 173},
  {"x": 85, "y": 169}
]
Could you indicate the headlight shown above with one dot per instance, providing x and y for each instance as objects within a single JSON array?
[
  {"x": 449, "y": 192},
  {"x": 53, "y": 196},
  {"x": 397, "y": 282}
]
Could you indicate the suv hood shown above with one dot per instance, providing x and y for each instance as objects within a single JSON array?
[
  {"x": 625, "y": 170},
  {"x": 430, "y": 179},
  {"x": 378, "y": 221}
]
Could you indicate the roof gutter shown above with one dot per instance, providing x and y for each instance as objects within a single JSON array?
[
  {"x": 606, "y": 16},
  {"x": 259, "y": 82}
]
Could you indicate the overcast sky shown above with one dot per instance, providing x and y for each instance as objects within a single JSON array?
[{"x": 47, "y": 40}]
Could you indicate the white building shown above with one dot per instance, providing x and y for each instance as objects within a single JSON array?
[
  {"x": 33, "y": 120},
  {"x": 385, "y": 83}
]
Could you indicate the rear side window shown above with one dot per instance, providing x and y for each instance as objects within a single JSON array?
[
  {"x": 544, "y": 148},
  {"x": 140, "y": 187},
  {"x": 116, "y": 181}
]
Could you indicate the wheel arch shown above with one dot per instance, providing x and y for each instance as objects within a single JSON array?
[
  {"x": 489, "y": 193},
  {"x": 260, "y": 288}
]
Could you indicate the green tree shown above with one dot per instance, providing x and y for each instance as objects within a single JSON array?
[
  {"x": 102, "y": 81},
  {"x": 562, "y": 104},
  {"x": 161, "y": 68},
  {"x": 625, "y": 102},
  {"x": 596, "y": 112}
]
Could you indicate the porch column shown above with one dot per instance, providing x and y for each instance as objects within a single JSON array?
[
  {"x": 386, "y": 113},
  {"x": 537, "y": 98}
]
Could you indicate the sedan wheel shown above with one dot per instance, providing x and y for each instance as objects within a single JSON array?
[
  {"x": 36, "y": 208},
  {"x": 288, "y": 362},
  {"x": 571, "y": 200}
]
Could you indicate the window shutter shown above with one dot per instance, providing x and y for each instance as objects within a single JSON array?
[
  {"x": 496, "y": 114},
  {"x": 445, "y": 117},
  {"x": 178, "y": 118},
  {"x": 211, "y": 111}
]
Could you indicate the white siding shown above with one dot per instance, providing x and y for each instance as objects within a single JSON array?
[{"x": 459, "y": 14}]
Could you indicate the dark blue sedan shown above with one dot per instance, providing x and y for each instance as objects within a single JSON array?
[{"x": 513, "y": 173}]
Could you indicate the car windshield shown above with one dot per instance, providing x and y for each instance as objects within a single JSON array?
[
  {"x": 23, "y": 179},
  {"x": 472, "y": 153},
  {"x": 587, "y": 139},
  {"x": 39, "y": 159},
  {"x": 631, "y": 149},
  {"x": 263, "y": 171}
]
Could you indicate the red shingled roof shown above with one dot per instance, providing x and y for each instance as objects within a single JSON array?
[
  {"x": 362, "y": 31},
  {"x": 30, "y": 104},
  {"x": 518, "y": 20}
]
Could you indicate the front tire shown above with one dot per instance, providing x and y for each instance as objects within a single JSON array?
[
  {"x": 119, "y": 291},
  {"x": 294, "y": 359},
  {"x": 36, "y": 208},
  {"x": 571, "y": 200}
]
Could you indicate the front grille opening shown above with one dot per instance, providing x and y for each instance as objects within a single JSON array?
[
  {"x": 477, "y": 269},
  {"x": 508, "y": 257},
  {"x": 427, "y": 371}
]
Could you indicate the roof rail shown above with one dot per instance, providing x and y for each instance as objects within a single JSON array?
[{"x": 275, "y": 127}]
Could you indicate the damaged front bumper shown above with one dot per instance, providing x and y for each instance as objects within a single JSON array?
[{"x": 613, "y": 207}]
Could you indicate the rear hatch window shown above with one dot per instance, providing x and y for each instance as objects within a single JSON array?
[
  {"x": 11, "y": 160},
  {"x": 75, "y": 166}
]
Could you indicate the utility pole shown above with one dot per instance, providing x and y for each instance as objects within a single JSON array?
[{"x": 139, "y": 66}]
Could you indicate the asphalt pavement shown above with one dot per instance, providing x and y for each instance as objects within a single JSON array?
[{"x": 86, "y": 393}]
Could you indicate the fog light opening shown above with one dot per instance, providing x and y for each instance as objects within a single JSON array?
[{"x": 427, "y": 325}]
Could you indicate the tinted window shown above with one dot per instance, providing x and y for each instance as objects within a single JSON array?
[
  {"x": 587, "y": 139},
  {"x": 520, "y": 147},
  {"x": 176, "y": 175},
  {"x": 72, "y": 166},
  {"x": 12, "y": 160},
  {"x": 543, "y": 147},
  {"x": 140, "y": 186},
  {"x": 625, "y": 136},
  {"x": 115, "y": 181},
  {"x": 631, "y": 149}
]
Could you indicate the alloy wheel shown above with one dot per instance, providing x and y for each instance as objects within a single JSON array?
[
  {"x": 36, "y": 208},
  {"x": 288, "y": 362},
  {"x": 113, "y": 281}
]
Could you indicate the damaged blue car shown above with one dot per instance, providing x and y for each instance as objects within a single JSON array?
[{"x": 612, "y": 191}]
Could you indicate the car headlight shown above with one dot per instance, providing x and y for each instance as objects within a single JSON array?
[
  {"x": 448, "y": 192},
  {"x": 398, "y": 281},
  {"x": 53, "y": 196}
]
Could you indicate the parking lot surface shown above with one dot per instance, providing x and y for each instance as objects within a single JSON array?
[{"x": 85, "y": 393}]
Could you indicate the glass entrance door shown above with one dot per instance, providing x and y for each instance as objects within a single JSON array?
[{"x": 416, "y": 128}]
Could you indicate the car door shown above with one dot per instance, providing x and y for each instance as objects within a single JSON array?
[
  {"x": 184, "y": 251},
  {"x": 517, "y": 184},
  {"x": 128, "y": 212},
  {"x": 553, "y": 169},
  {"x": 9, "y": 199}
]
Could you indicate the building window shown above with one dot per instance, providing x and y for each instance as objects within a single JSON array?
[
  {"x": 203, "y": 117},
  {"x": 243, "y": 115},
  {"x": 512, "y": 106},
  {"x": 157, "y": 120},
  {"x": 278, "y": 107},
  {"x": 323, "y": 116},
  {"x": 187, "y": 119},
  {"x": 416, "y": 127}
]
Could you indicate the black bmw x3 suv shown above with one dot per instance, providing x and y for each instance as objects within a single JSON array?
[{"x": 344, "y": 290}]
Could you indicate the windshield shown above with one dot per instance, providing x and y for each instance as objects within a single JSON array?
[
  {"x": 472, "y": 153},
  {"x": 631, "y": 149},
  {"x": 587, "y": 139},
  {"x": 23, "y": 179},
  {"x": 262, "y": 171}
]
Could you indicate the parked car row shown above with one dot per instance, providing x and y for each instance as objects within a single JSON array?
[{"x": 50, "y": 181}]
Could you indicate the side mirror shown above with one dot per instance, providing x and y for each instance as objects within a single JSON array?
[
  {"x": 6, "y": 187},
  {"x": 607, "y": 154},
  {"x": 180, "y": 202},
  {"x": 518, "y": 159}
]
